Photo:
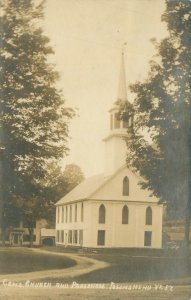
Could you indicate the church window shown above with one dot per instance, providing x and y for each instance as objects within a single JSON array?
[
  {"x": 66, "y": 214},
  {"x": 117, "y": 121},
  {"x": 101, "y": 238},
  {"x": 70, "y": 213},
  {"x": 81, "y": 237},
  {"x": 62, "y": 214},
  {"x": 69, "y": 236},
  {"x": 75, "y": 236},
  {"x": 82, "y": 212},
  {"x": 148, "y": 216},
  {"x": 62, "y": 236},
  {"x": 102, "y": 214},
  {"x": 126, "y": 186},
  {"x": 148, "y": 238},
  {"x": 76, "y": 212},
  {"x": 111, "y": 121},
  {"x": 125, "y": 215}
]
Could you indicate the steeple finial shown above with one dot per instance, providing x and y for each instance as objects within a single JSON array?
[{"x": 122, "y": 89}]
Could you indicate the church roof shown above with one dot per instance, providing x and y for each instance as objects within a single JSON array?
[
  {"x": 109, "y": 188},
  {"x": 85, "y": 189}
]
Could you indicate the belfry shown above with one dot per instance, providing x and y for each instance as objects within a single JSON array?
[{"x": 115, "y": 147}]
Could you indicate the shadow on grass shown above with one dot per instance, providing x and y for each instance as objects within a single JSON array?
[
  {"x": 23, "y": 260},
  {"x": 134, "y": 269},
  {"x": 140, "y": 269}
]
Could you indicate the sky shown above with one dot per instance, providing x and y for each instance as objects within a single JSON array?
[{"x": 87, "y": 37}]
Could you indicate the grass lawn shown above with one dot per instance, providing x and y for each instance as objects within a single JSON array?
[
  {"x": 14, "y": 261},
  {"x": 129, "y": 268},
  {"x": 138, "y": 269},
  {"x": 123, "y": 269}
]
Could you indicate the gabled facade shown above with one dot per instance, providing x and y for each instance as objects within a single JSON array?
[
  {"x": 117, "y": 213},
  {"x": 111, "y": 210}
]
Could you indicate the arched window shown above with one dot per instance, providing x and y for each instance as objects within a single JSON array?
[
  {"x": 125, "y": 215},
  {"x": 148, "y": 216},
  {"x": 102, "y": 214},
  {"x": 125, "y": 186}
]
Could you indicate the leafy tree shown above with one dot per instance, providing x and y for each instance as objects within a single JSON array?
[
  {"x": 72, "y": 175},
  {"x": 159, "y": 144},
  {"x": 34, "y": 118}
]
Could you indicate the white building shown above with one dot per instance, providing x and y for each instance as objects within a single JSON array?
[{"x": 111, "y": 210}]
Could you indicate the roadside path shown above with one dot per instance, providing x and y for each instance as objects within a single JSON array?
[{"x": 84, "y": 265}]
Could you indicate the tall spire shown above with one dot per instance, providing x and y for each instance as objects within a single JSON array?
[{"x": 122, "y": 89}]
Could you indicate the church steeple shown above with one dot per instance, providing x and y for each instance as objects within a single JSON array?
[
  {"x": 115, "y": 146},
  {"x": 117, "y": 125},
  {"x": 122, "y": 89}
]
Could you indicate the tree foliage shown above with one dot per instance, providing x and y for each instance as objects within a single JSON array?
[
  {"x": 60, "y": 182},
  {"x": 34, "y": 118},
  {"x": 73, "y": 176},
  {"x": 159, "y": 144}
]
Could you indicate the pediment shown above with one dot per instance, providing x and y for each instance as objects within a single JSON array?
[{"x": 112, "y": 189}]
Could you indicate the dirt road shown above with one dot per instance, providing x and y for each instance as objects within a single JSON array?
[{"x": 83, "y": 265}]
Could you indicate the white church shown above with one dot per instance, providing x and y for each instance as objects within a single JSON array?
[{"x": 110, "y": 210}]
